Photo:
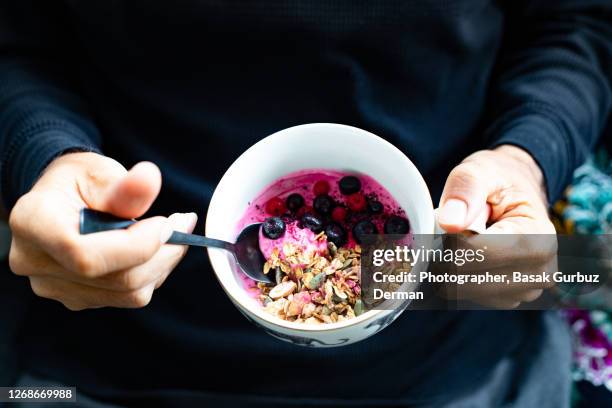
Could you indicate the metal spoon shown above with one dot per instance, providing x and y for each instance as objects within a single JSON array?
[{"x": 245, "y": 250}]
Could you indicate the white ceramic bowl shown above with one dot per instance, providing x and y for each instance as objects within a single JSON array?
[{"x": 311, "y": 146}]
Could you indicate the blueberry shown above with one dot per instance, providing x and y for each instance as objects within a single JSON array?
[
  {"x": 397, "y": 225},
  {"x": 336, "y": 234},
  {"x": 273, "y": 227},
  {"x": 312, "y": 222},
  {"x": 323, "y": 204},
  {"x": 295, "y": 202},
  {"x": 375, "y": 207},
  {"x": 349, "y": 185},
  {"x": 363, "y": 229}
]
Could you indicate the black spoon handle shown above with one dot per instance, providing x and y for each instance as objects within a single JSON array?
[{"x": 92, "y": 221}]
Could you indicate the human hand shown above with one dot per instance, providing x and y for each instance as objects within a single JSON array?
[
  {"x": 510, "y": 182},
  {"x": 113, "y": 268}
]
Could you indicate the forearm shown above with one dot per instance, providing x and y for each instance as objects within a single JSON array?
[
  {"x": 551, "y": 94},
  {"x": 41, "y": 114}
]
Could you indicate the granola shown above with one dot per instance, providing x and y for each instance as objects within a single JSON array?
[{"x": 313, "y": 288}]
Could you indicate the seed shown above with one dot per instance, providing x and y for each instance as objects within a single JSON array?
[
  {"x": 331, "y": 247},
  {"x": 347, "y": 263},
  {"x": 358, "y": 307},
  {"x": 278, "y": 275},
  {"x": 339, "y": 293},
  {"x": 316, "y": 281}
]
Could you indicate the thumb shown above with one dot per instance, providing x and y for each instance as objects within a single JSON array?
[
  {"x": 464, "y": 197},
  {"x": 132, "y": 194}
]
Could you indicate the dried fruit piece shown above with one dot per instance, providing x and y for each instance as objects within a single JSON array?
[
  {"x": 336, "y": 234},
  {"x": 273, "y": 228},
  {"x": 320, "y": 187},
  {"x": 396, "y": 225},
  {"x": 356, "y": 202},
  {"x": 339, "y": 214},
  {"x": 363, "y": 229},
  {"x": 294, "y": 202},
  {"x": 375, "y": 207},
  {"x": 323, "y": 204},
  {"x": 275, "y": 206},
  {"x": 349, "y": 185},
  {"x": 313, "y": 223}
]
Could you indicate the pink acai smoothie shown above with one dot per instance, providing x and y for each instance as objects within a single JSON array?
[{"x": 309, "y": 208}]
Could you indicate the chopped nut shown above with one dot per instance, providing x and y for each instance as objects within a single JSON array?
[{"x": 282, "y": 290}]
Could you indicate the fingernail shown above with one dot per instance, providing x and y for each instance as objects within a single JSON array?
[
  {"x": 453, "y": 212},
  {"x": 166, "y": 232},
  {"x": 190, "y": 220}
]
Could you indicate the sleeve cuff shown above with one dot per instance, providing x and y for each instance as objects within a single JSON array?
[
  {"x": 35, "y": 151},
  {"x": 546, "y": 143}
]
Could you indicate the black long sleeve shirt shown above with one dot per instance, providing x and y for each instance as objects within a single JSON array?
[{"x": 190, "y": 85}]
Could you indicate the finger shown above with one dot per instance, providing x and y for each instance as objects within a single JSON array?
[
  {"x": 174, "y": 253},
  {"x": 96, "y": 254},
  {"x": 56, "y": 232},
  {"x": 157, "y": 268},
  {"x": 126, "y": 195},
  {"x": 28, "y": 260},
  {"x": 76, "y": 296},
  {"x": 464, "y": 197}
]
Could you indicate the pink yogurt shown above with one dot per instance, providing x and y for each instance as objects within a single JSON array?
[
  {"x": 300, "y": 237},
  {"x": 302, "y": 182}
]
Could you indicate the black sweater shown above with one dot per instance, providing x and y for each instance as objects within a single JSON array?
[{"x": 190, "y": 85}]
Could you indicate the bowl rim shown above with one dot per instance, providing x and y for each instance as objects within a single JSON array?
[{"x": 259, "y": 312}]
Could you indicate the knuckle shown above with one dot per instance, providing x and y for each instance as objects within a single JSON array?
[
  {"x": 81, "y": 262},
  {"x": 144, "y": 253},
  {"x": 67, "y": 245},
  {"x": 466, "y": 171},
  {"x": 18, "y": 217},
  {"x": 41, "y": 289},
  {"x": 73, "y": 306},
  {"x": 84, "y": 265},
  {"x": 531, "y": 295},
  {"x": 15, "y": 262},
  {"x": 511, "y": 305},
  {"x": 139, "y": 298},
  {"x": 132, "y": 280}
]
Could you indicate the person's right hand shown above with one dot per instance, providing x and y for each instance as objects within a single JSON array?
[{"x": 113, "y": 268}]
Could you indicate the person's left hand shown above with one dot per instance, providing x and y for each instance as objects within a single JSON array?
[{"x": 510, "y": 182}]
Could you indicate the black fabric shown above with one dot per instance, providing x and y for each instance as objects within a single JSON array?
[
  {"x": 192, "y": 84},
  {"x": 515, "y": 380}
]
